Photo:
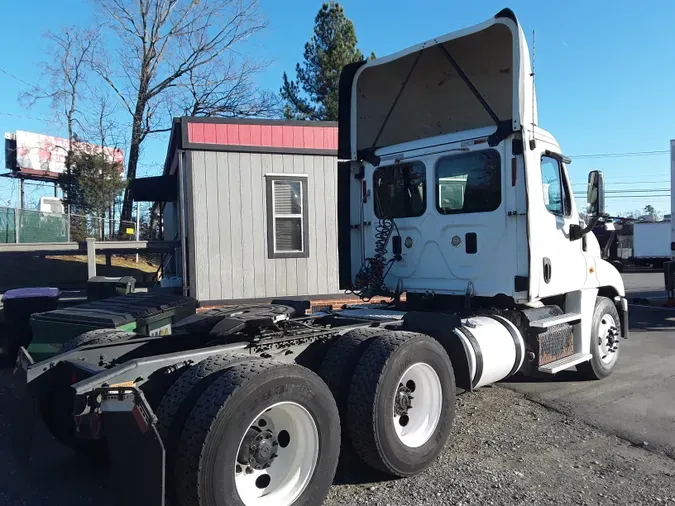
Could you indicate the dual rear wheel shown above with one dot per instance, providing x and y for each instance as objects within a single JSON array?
[{"x": 256, "y": 432}]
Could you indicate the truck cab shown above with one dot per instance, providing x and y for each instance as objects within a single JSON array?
[{"x": 453, "y": 193}]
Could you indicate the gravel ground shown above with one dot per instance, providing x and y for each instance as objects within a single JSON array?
[{"x": 504, "y": 450}]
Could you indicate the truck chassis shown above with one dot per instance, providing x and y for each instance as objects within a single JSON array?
[{"x": 379, "y": 377}]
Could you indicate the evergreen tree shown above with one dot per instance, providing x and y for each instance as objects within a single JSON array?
[{"x": 314, "y": 95}]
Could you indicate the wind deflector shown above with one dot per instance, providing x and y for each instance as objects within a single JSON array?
[
  {"x": 474, "y": 78},
  {"x": 345, "y": 108}
]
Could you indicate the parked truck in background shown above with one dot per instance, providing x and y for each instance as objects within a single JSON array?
[
  {"x": 651, "y": 243},
  {"x": 450, "y": 194}
]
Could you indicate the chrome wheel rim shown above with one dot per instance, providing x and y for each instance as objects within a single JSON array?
[{"x": 608, "y": 339}]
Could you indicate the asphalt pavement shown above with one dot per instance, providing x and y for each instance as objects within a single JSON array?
[
  {"x": 644, "y": 285},
  {"x": 637, "y": 402}
]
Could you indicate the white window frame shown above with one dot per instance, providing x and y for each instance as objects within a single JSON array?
[{"x": 272, "y": 216}]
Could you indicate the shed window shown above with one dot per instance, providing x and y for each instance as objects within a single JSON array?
[{"x": 287, "y": 217}]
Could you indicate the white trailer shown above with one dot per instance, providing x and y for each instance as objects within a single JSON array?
[
  {"x": 651, "y": 243},
  {"x": 448, "y": 193}
]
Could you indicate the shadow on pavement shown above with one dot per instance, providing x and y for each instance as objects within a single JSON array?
[
  {"x": 353, "y": 471},
  {"x": 652, "y": 319},
  {"x": 561, "y": 377}
]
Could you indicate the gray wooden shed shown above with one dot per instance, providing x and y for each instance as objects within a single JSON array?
[{"x": 260, "y": 208}]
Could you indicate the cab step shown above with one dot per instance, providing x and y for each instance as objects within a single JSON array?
[
  {"x": 550, "y": 321},
  {"x": 565, "y": 363}
]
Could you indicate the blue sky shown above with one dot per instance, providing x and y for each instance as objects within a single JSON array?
[{"x": 604, "y": 70}]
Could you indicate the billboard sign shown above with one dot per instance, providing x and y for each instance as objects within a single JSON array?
[{"x": 31, "y": 152}]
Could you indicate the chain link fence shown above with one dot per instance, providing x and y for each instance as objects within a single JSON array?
[{"x": 27, "y": 226}]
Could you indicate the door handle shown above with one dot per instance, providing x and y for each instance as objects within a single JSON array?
[{"x": 548, "y": 270}]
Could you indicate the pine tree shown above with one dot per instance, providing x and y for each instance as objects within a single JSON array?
[{"x": 314, "y": 95}]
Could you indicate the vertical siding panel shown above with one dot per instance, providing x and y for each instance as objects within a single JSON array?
[
  {"x": 190, "y": 225},
  {"x": 315, "y": 200},
  {"x": 223, "y": 232},
  {"x": 201, "y": 258},
  {"x": 270, "y": 263},
  {"x": 330, "y": 173},
  {"x": 320, "y": 226},
  {"x": 281, "y": 264},
  {"x": 248, "y": 230},
  {"x": 291, "y": 263},
  {"x": 302, "y": 264},
  {"x": 235, "y": 197},
  {"x": 211, "y": 202},
  {"x": 258, "y": 232}
]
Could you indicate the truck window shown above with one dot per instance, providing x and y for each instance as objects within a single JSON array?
[
  {"x": 469, "y": 183},
  {"x": 556, "y": 196},
  {"x": 400, "y": 190}
]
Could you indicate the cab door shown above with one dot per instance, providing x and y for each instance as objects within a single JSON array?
[{"x": 557, "y": 265}]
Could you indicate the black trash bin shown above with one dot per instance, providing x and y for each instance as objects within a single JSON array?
[
  {"x": 104, "y": 287},
  {"x": 18, "y": 306}
]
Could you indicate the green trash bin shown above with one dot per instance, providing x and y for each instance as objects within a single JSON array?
[{"x": 147, "y": 314}]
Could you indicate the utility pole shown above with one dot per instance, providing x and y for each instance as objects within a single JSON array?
[
  {"x": 138, "y": 224},
  {"x": 23, "y": 193}
]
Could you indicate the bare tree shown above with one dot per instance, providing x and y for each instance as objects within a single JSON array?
[
  {"x": 65, "y": 74},
  {"x": 163, "y": 45},
  {"x": 226, "y": 88}
]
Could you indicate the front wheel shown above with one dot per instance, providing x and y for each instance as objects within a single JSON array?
[
  {"x": 262, "y": 434},
  {"x": 605, "y": 336}
]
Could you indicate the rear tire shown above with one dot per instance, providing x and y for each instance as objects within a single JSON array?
[
  {"x": 340, "y": 362},
  {"x": 220, "y": 440},
  {"x": 391, "y": 430},
  {"x": 176, "y": 404},
  {"x": 98, "y": 336},
  {"x": 605, "y": 336}
]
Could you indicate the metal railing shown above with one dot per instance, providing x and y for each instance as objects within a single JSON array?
[{"x": 23, "y": 226}]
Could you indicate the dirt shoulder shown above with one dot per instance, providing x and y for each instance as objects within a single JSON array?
[{"x": 506, "y": 450}]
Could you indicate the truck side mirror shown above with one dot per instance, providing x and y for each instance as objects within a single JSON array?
[
  {"x": 595, "y": 205},
  {"x": 595, "y": 199}
]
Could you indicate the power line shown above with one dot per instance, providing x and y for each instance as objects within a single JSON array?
[
  {"x": 627, "y": 192},
  {"x": 14, "y": 77},
  {"x": 29, "y": 117},
  {"x": 627, "y": 197},
  {"x": 620, "y": 155},
  {"x": 625, "y": 183}
]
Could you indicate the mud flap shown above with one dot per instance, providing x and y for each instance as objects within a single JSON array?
[
  {"x": 137, "y": 455},
  {"x": 24, "y": 410},
  {"x": 622, "y": 308}
]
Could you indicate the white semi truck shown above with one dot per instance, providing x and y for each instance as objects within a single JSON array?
[{"x": 454, "y": 202}]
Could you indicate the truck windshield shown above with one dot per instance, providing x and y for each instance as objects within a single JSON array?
[
  {"x": 469, "y": 183},
  {"x": 400, "y": 190}
]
